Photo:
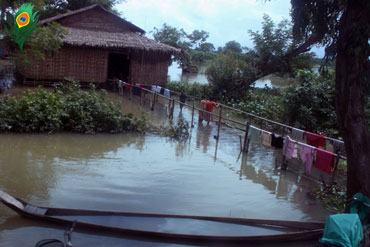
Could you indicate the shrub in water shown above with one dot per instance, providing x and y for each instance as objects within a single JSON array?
[{"x": 66, "y": 109}]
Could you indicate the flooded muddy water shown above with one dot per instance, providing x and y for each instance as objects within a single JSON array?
[
  {"x": 175, "y": 74},
  {"x": 145, "y": 173}
]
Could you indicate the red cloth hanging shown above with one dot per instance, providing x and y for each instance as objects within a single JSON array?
[
  {"x": 324, "y": 160},
  {"x": 141, "y": 85},
  {"x": 315, "y": 139},
  {"x": 128, "y": 86}
]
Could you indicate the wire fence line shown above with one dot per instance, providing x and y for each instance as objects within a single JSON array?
[
  {"x": 251, "y": 116},
  {"x": 241, "y": 125}
]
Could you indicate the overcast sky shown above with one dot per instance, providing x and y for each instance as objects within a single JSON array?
[{"x": 224, "y": 20}]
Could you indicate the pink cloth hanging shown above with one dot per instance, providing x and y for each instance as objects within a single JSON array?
[
  {"x": 290, "y": 149},
  {"x": 306, "y": 155},
  {"x": 324, "y": 160}
]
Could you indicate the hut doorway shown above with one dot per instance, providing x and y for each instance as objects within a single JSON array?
[{"x": 118, "y": 66}]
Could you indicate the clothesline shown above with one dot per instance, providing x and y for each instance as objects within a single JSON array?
[
  {"x": 315, "y": 148},
  {"x": 267, "y": 138},
  {"x": 301, "y": 143},
  {"x": 252, "y": 115}
]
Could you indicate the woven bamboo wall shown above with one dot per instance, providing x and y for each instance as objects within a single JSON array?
[
  {"x": 95, "y": 19},
  {"x": 83, "y": 64},
  {"x": 149, "y": 67}
]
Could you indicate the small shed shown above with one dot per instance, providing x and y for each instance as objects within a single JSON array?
[{"x": 102, "y": 46}]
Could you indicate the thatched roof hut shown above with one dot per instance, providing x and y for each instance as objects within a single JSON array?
[{"x": 102, "y": 46}]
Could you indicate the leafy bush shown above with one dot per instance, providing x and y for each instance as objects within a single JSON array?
[
  {"x": 193, "y": 89},
  {"x": 230, "y": 75},
  {"x": 66, "y": 109},
  {"x": 264, "y": 102},
  {"x": 310, "y": 104}
]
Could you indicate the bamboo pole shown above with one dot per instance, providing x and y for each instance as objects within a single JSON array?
[
  {"x": 130, "y": 96},
  {"x": 241, "y": 144},
  {"x": 192, "y": 117},
  {"x": 219, "y": 123},
  {"x": 335, "y": 171},
  {"x": 141, "y": 96},
  {"x": 172, "y": 108},
  {"x": 153, "y": 102},
  {"x": 246, "y": 137}
]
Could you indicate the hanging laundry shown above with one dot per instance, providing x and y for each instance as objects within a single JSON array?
[
  {"x": 128, "y": 86},
  {"x": 324, "y": 160},
  {"x": 148, "y": 86},
  {"x": 159, "y": 89},
  {"x": 167, "y": 93},
  {"x": 290, "y": 148},
  {"x": 277, "y": 141},
  {"x": 254, "y": 134},
  {"x": 162, "y": 91},
  {"x": 266, "y": 138},
  {"x": 154, "y": 88},
  {"x": 297, "y": 134},
  {"x": 339, "y": 148},
  {"x": 315, "y": 139},
  {"x": 141, "y": 85},
  {"x": 306, "y": 154}
]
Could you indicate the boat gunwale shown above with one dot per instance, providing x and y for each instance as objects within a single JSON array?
[{"x": 308, "y": 234}]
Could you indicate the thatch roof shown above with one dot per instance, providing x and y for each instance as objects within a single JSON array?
[
  {"x": 133, "y": 27},
  {"x": 96, "y": 38},
  {"x": 84, "y": 37}
]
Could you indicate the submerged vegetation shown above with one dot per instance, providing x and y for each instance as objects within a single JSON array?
[
  {"x": 333, "y": 198},
  {"x": 178, "y": 131},
  {"x": 67, "y": 108}
]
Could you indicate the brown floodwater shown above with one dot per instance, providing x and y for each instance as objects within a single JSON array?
[{"x": 145, "y": 173}]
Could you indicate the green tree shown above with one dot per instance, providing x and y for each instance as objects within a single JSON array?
[
  {"x": 192, "y": 45},
  {"x": 309, "y": 104},
  {"x": 343, "y": 27},
  {"x": 176, "y": 38},
  {"x": 197, "y": 38},
  {"x": 274, "y": 52},
  {"x": 233, "y": 46},
  {"x": 10, "y": 7},
  {"x": 229, "y": 74},
  {"x": 56, "y": 7},
  {"x": 207, "y": 47}
]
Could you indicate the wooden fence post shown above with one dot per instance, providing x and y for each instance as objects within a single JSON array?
[
  {"x": 219, "y": 123},
  {"x": 246, "y": 137}
]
